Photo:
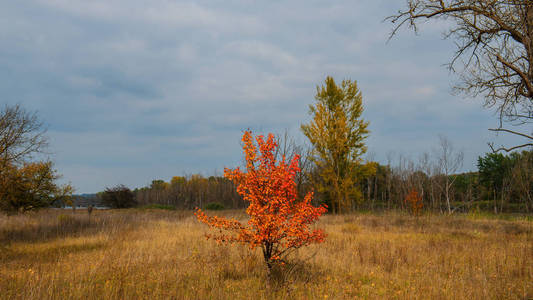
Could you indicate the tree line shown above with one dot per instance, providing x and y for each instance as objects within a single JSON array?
[
  {"x": 333, "y": 165},
  {"x": 188, "y": 192},
  {"x": 334, "y": 168},
  {"x": 502, "y": 183}
]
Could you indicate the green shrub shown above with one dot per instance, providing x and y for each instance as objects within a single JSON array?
[{"x": 214, "y": 206}]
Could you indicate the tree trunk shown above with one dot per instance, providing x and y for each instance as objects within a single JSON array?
[
  {"x": 495, "y": 201},
  {"x": 267, "y": 254},
  {"x": 501, "y": 199},
  {"x": 269, "y": 275},
  {"x": 448, "y": 195},
  {"x": 432, "y": 194},
  {"x": 369, "y": 183},
  {"x": 375, "y": 191},
  {"x": 388, "y": 192},
  {"x": 528, "y": 43}
]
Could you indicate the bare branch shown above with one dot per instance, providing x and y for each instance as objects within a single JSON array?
[
  {"x": 513, "y": 132},
  {"x": 494, "y": 40},
  {"x": 491, "y": 145},
  {"x": 21, "y": 134},
  {"x": 522, "y": 75}
]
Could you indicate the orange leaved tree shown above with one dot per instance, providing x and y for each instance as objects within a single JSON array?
[
  {"x": 279, "y": 221},
  {"x": 414, "y": 201}
]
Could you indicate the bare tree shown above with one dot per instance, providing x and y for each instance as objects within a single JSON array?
[
  {"x": 449, "y": 162},
  {"x": 494, "y": 41},
  {"x": 21, "y": 134},
  {"x": 427, "y": 166},
  {"x": 288, "y": 148}
]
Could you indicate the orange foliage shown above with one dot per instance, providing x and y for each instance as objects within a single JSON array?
[
  {"x": 279, "y": 221},
  {"x": 414, "y": 201}
]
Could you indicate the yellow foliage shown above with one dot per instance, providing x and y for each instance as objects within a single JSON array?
[
  {"x": 29, "y": 186},
  {"x": 337, "y": 133}
]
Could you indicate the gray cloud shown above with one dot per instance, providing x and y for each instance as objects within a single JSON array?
[{"x": 136, "y": 90}]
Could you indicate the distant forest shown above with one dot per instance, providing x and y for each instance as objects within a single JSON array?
[{"x": 503, "y": 183}]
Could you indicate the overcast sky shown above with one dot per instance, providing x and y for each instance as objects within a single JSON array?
[{"x": 133, "y": 90}]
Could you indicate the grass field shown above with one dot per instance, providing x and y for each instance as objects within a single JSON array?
[{"x": 158, "y": 254}]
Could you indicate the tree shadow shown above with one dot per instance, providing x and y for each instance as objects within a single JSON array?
[{"x": 295, "y": 271}]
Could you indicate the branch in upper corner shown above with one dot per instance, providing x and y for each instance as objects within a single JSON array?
[
  {"x": 491, "y": 145},
  {"x": 513, "y": 132}
]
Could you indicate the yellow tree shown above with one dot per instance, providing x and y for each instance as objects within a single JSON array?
[{"x": 337, "y": 133}]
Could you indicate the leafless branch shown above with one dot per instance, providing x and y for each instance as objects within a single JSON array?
[
  {"x": 21, "y": 134},
  {"x": 494, "y": 40}
]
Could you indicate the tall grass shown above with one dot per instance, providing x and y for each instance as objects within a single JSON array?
[{"x": 161, "y": 254}]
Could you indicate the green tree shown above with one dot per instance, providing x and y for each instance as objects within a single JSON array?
[
  {"x": 493, "y": 169},
  {"x": 337, "y": 133}
]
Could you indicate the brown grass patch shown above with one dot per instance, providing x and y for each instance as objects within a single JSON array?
[{"x": 139, "y": 254}]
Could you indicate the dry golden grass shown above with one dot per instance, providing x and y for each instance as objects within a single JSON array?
[{"x": 138, "y": 254}]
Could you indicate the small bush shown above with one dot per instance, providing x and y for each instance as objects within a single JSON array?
[
  {"x": 414, "y": 201},
  {"x": 214, "y": 206}
]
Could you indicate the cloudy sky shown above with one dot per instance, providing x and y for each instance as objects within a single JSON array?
[{"x": 137, "y": 90}]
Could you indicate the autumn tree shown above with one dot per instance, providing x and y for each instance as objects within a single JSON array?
[
  {"x": 25, "y": 184},
  {"x": 414, "y": 201},
  {"x": 337, "y": 133},
  {"x": 30, "y": 186},
  {"x": 494, "y": 41},
  {"x": 279, "y": 221}
]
